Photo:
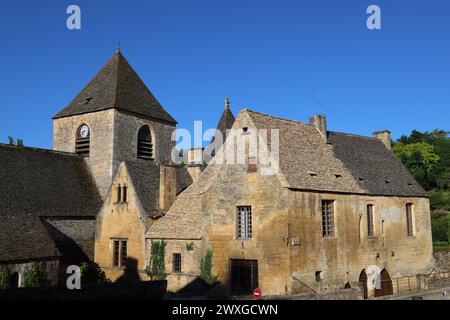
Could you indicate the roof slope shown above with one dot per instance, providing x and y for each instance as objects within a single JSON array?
[
  {"x": 377, "y": 169},
  {"x": 146, "y": 178},
  {"x": 184, "y": 220},
  {"x": 45, "y": 183},
  {"x": 226, "y": 120},
  {"x": 344, "y": 163},
  {"x": 23, "y": 237},
  {"x": 117, "y": 86}
]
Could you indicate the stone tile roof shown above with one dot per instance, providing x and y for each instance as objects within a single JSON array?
[
  {"x": 184, "y": 220},
  {"x": 45, "y": 183},
  {"x": 307, "y": 162},
  {"x": 226, "y": 122},
  {"x": 40, "y": 183},
  {"x": 344, "y": 163},
  {"x": 117, "y": 86},
  {"x": 145, "y": 176},
  {"x": 377, "y": 169}
]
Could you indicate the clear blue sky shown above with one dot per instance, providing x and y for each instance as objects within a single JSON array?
[{"x": 287, "y": 58}]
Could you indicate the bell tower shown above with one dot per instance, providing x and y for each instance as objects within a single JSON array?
[{"x": 115, "y": 118}]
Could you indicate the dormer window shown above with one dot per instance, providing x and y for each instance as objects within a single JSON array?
[
  {"x": 145, "y": 145},
  {"x": 82, "y": 142}
]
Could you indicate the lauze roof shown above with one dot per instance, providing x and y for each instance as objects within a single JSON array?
[
  {"x": 40, "y": 183},
  {"x": 343, "y": 163},
  {"x": 117, "y": 86}
]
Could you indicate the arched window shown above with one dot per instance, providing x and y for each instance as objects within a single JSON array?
[
  {"x": 145, "y": 145},
  {"x": 82, "y": 142}
]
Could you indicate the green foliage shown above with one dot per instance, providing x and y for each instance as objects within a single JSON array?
[
  {"x": 156, "y": 270},
  {"x": 12, "y": 142},
  {"x": 91, "y": 273},
  {"x": 206, "y": 268},
  {"x": 440, "y": 230},
  {"x": 35, "y": 277},
  {"x": 440, "y": 199},
  {"x": 4, "y": 277},
  {"x": 190, "y": 246},
  {"x": 419, "y": 158}
]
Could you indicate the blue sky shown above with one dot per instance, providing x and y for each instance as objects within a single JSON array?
[{"x": 287, "y": 58}]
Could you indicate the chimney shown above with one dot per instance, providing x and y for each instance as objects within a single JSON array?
[
  {"x": 320, "y": 121},
  {"x": 167, "y": 186},
  {"x": 384, "y": 136}
]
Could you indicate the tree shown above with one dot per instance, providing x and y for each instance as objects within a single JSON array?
[
  {"x": 91, "y": 273},
  {"x": 206, "y": 268},
  {"x": 4, "y": 277},
  {"x": 35, "y": 277},
  {"x": 419, "y": 158},
  {"x": 156, "y": 270}
]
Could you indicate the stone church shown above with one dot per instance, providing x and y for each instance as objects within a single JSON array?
[{"x": 341, "y": 210}]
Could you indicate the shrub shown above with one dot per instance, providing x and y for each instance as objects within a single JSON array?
[
  {"x": 206, "y": 268},
  {"x": 156, "y": 270},
  {"x": 35, "y": 277},
  {"x": 440, "y": 228},
  {"x": 4, "y": 277},
  {"x": 91, "y": 273}
]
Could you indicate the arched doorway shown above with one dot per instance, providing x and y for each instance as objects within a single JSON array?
[
  {"x": 384, "y": 285},
  {"x": 363, "y": 283},
  {"x": 14, "y": 280}
]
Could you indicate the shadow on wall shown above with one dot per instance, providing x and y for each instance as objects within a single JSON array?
[
  {"x": 71, "y": 252},
  {"x": 130, "y": 273}
]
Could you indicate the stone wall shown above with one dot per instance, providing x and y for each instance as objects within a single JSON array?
[
  {"x": 100, "y": 160},
  {"x": 126, "y": 128},
  {"x": 441, "y": 259},
  {"x": 74, "y": 237},
  {"x": 51, "y": 266},
  {"x": 150, "y": 290},
  {"x": 125, "y": 221},
  {"x": 191, "y": 256}
]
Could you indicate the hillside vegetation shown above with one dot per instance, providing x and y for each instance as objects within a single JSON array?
[{"x": 427, "y": 156}]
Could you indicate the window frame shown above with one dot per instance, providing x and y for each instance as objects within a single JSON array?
[
  {"x": 328, "y": 224},
  {"x": 176, "y": 262},
  {"x": 119, "y": 253},
  {"x": 410, "y": 219},
  {"x": 244, "y": 223},
  {"x": 370, "y": 220}
]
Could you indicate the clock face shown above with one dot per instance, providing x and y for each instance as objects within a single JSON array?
[{"x": 84, "y": 131}]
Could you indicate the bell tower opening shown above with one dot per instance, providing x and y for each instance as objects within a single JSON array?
[{"x": 82, "y": 142}]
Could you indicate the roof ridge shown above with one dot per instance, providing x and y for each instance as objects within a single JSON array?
[
  {"x": 275, "y": 117},
  {"x": 35, "y": 149},
  {"x": 353, "y": 135}
]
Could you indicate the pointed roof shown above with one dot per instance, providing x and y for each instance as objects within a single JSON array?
[
  {"x": 117, "y": 86},
  {"x": 226, "y": 120}
]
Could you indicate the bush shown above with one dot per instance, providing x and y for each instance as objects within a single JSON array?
[
  {"x": 35, "y": 277},
  {"x": 91, "y": 273},
  {"x": 156, "y": 270},
  {"x": 4, "y": 277},
  {"x": 206, "y": 268},
  {"x": 440, "y": 228}
]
